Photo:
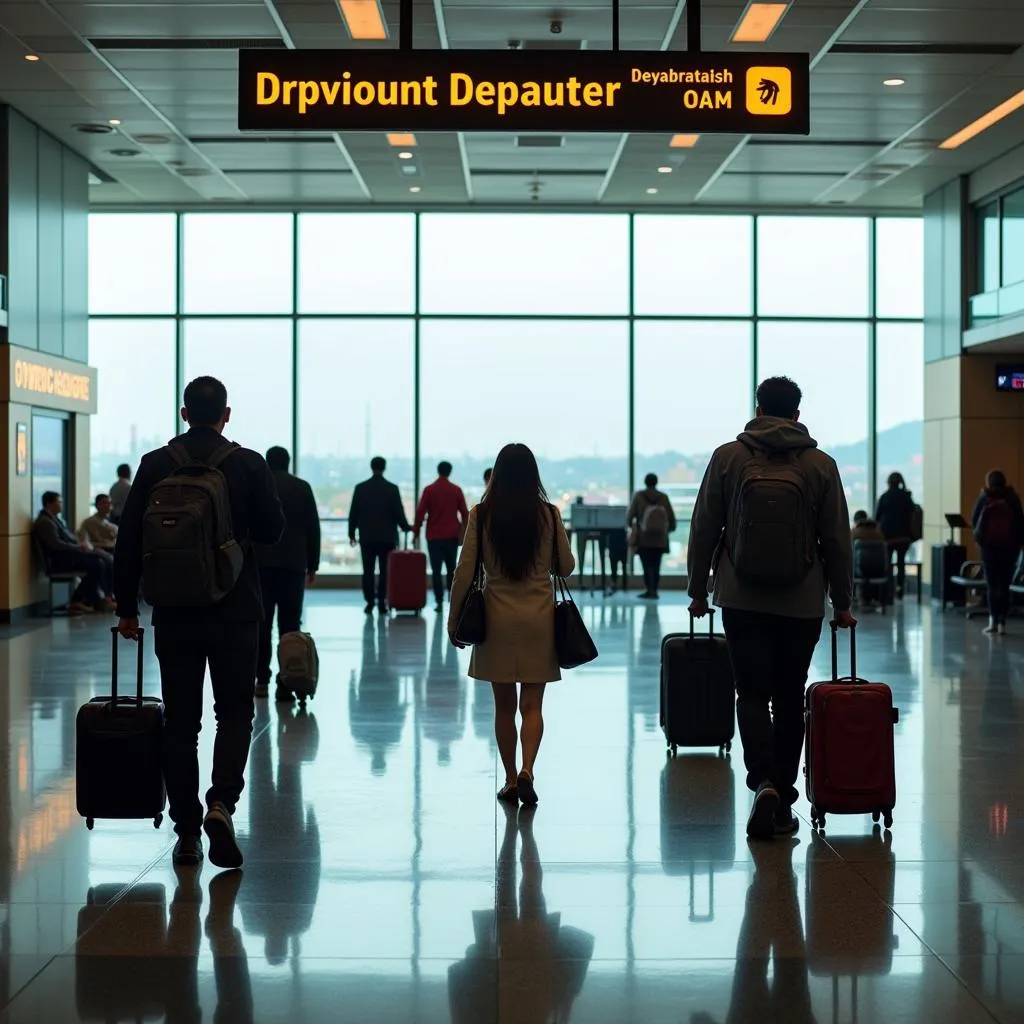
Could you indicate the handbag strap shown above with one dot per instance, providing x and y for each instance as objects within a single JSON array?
[
  {"x": 558, "y": 585},
  {"x": 478, "y": 569}
]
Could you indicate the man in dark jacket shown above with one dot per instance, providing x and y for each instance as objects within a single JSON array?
[
  {"x": 377, "y": 514},
  {"x": 64, "y": 553},
  {"x": 772, "y": 630},
  {"x": 225, "y": 634},
  {"x": 998, "y": 525},
  {"x": 286, "y": 567}
]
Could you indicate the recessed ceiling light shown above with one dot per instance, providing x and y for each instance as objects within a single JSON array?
[
  {"x": 405, "y": 155},
  {"x": 683, "y": 141},
  {"x": 363, "y": 19},
  {"x": 665, "y": 169},
  {"x": 31, "y": 57},
  {"x": 114, "y": 121},
  {"x": 652, "y": 191},
  {"x": 414, "y": 188},
  {"x": 401, "y": 139},
  {"x": 1004, "y": 109},
  {"x": 759, "y": 21},
  {"x": 893, "y": 82}
]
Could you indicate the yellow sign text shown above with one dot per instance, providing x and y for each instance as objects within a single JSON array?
[{"x": 45, "y": 380}]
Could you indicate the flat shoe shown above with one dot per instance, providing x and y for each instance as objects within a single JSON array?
[
  {"x": 509, "y": 793},
  {"x": 527, "y": 793}
]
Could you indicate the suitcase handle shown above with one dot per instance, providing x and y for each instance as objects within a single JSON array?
[
  {"x": 835, "y": 651},
  {"x": 113, "y": 670},
  {"x": 711, "y": 623}
]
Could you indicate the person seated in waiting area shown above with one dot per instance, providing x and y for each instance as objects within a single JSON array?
[
  {"x": 870, "y": 556},
  {"x": 64, "y": 553},
  {"x": 865, "y": 528},
  {"x": 97, "y": 531}
]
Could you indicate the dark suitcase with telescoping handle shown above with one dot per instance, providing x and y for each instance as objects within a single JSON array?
[
  {"x": 118, "y": 761},
  {"x": 698, "y": 694}
]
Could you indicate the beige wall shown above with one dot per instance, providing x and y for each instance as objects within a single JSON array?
[{"x": 969, "y": 429}]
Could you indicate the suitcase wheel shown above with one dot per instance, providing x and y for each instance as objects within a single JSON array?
[
  {"x": 673, "y": 750},
  {"x": 875, "y": 815},
  {"x": 158, "y": 821},
  {"x": 89, "y": 824},
  {"x": 888, "y": 818}
]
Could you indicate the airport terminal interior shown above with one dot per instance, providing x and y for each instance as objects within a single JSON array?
[{"x": 607, "y": 284}]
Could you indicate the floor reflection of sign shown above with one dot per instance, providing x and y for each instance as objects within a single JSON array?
[
  {"x": 769, "y": 91},
  {"x": 21, "y": 461}
]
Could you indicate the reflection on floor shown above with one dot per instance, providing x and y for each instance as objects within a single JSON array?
[{"x": 383, "y": 883}]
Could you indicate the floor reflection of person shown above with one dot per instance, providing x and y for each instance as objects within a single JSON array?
[
  {"x": 282, "y": 829},
  {"x": 376, "y": 711},
  {"x": 558, "y": 956},
  {"x": 444, "y": 707}
]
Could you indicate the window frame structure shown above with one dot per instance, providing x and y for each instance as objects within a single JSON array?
[{"x": 630, "y": 315}]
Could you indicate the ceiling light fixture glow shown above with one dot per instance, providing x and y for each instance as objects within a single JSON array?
[
  {"x": 114, "y": 121},
  {"x": 759, "y": 21},
  {"x": 968, "y": 132},
  {"x": 652, "y": 191},
  {"x": 684, "y": 141},
  {"x": 32, "y": 57},
  {"x": 405, "y": 155},
  {"x": 894, "y": 82},
  {"x": 414, "y": 188},
  {"x": 665, "y": 169},
  {"x": 364, "y": 19},
  {"x": 401, "y": 139}
]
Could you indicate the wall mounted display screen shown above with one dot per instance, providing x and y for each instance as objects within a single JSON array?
[
  {"x": 1010, "y": 378},
  {"x": 515, "y": 90}
]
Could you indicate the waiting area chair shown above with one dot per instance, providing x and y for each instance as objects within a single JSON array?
[
  {"x": 972, "y": 579},
  {"x": 68, "y": 579}
]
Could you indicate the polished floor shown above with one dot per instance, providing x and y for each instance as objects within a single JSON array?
[{"x": 383, "y": 884}]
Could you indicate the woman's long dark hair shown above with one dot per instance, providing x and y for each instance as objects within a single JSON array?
[
  {"x": 511, "y": 510},
  {"x": 896, "y": 482}
]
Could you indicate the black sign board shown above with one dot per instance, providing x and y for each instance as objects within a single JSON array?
[{"x": 516, "y": 90}]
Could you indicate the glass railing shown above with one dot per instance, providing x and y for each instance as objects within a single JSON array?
[{"x": 989, "y": 306}]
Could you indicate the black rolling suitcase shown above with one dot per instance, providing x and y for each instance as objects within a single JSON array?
[
  {"x": 698, "y": 691},
  {"x": 118, "y": 761}
]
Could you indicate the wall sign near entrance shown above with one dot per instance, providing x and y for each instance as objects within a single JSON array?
[{"x": 512, "y": 90}]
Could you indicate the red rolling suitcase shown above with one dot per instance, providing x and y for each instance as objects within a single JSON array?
[
  {"x": 849, "y": 744},
  {"x": 407, "y": 581}
]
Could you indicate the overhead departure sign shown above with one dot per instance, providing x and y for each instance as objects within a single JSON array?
[{"x": 515, "y": 90}]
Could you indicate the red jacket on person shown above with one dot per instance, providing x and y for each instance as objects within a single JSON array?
[{"x": 443, "y": 505}]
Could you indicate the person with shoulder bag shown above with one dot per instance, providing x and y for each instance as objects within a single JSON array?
[
  {"x": 650, "y": 520},
  {"x": 998, "y": 523}
]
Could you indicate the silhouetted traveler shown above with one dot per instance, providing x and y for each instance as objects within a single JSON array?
[
  {"x": 97, "y": 531},
  {"x": 119, "y": 492},
  {"x": 288, "y": 566},
  {"x": 650, "y": 520},
  {"x": 523, "y": 541},
  {"x": 998, "y": 522},
  {"x": 377, "y": 514},
  {"x": 64, "y": 553},
  {"x": 198, "y": 471},
  {"x": 871, "y": 560},
  {"x": 771, "y": 518},
  {"x": 895, "y": 516},
  {"x": 443, "y": 506},
  {"x": 865, "y": 529}
]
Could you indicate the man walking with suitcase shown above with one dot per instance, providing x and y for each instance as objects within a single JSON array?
[
  {"x": 771, "y": 519},
  {"x": 187, "y": 532},
  {"x": 443, "y": 506}
]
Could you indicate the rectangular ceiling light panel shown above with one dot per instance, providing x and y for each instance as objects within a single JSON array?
[
  {"x": 967, "y": 133},
  {"x": 364, "y": 19},
  {"x": 403, "y": 139},
  {"x": 759, "y": 21},
  {"x": 684, "y": 141}
]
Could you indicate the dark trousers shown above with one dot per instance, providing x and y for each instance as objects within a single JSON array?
[
  {"x": 183, "y": 650},
  {"x": 96, "y": 570},
  {"x": 283, "y": 592},
  {"x": 771, "y": 655},
  {"x": 443, "y": 553},
  {"x": 372, "y": 554},
  {"x": 999, "y": 565},
  {"x": 899, "y": 548},
  {"x": 650, "y": 559}
]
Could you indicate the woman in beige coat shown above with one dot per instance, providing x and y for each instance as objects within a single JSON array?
[{"x": 522, "y": 540}]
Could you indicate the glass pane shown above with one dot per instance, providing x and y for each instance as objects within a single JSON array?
[
  {"x": 373, "y": 415},
  {"x": 714, "y": 360},
  {"x": 541, "y": 367},
  {"x": 524, "y": 263},
  {"x": 253, "y": 359},
  {"x": 812, "y": 266},
  {"x": 1013, "y": 237},
  {"x": 899, "y": 403},
  {"x": 238, "y": 262},
  {"x": 899, "y": 266},
  {"x": 830, "y": 363},
  {"x": 136, "y": 412},
  {"x": 697, "y": 265},
  {"x": 132, "y": 263},
  {"x": 50, "y": 463},
  {"x": 357, "y": 263},
  {"x": 988, "y": 248}
]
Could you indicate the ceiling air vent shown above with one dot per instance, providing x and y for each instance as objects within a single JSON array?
[
  {"x": 123, "y": 152},
  {"x": 540, "y": 141},
  {"x": 171, "y": 43},
  {"x": 152, "y": 140},
  {"x": 94, "y": 129},
  {"x": 871, "y": 175}
]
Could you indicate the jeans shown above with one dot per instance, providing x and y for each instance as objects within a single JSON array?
[
  {"x": 771, "y": 655},
  {"x": 183, "y": 650},
  {"x": 442, "y": 553},
  {"x": 650, "y": 559},
  {"x": 372, "y": 554},
  {"x": 96, "y": 569},
  {"x": 999, "y": 565},
  {"x": 899, "y": 548},
  {"x": 283, "y": 591}
]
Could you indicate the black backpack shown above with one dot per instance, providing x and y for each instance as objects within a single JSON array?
[
  {"x": 189, "y": 554},
  {"x": 774, "y": 540}
]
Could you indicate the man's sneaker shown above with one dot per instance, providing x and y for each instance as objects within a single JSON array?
[
  {"x": 992, "y": 627},
  {"x": 220, "y": 830},
  {"x": 262, "y": 691},
  {"x": 761, "y": 823},
  {"x": 188, "y": 852},
  {"x": 786, "y": 822}
]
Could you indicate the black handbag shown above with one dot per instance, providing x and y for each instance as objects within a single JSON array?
[
  {"x": 573, "y": 642},
  {"x": 471, "y": 629}
]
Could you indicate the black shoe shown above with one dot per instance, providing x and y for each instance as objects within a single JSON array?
[
  {"x": 382, "y": 608},
  {"x": 527, "y": 793},
  {"x": 786, "y": 822},
  {"x": 439, "y": 607},
  {"x": 188, "y": 852},
  {"x": 369, "y": 608},
  {"x": 645, "y": 596},
  {"x": 220, "y": 830},
  {"x": 509, "y": 793},
  {"x": 282, "y": 695},
  {"x": 761, "y": 823}
]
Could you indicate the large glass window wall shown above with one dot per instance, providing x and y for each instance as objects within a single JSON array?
[{"x": 613, "y": 344}]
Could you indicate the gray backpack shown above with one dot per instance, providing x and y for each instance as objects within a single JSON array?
[
  {"x": 773, "y": 533},
  {"x": 189, "y": 554},
  {"x": 298, "y": 665}
]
